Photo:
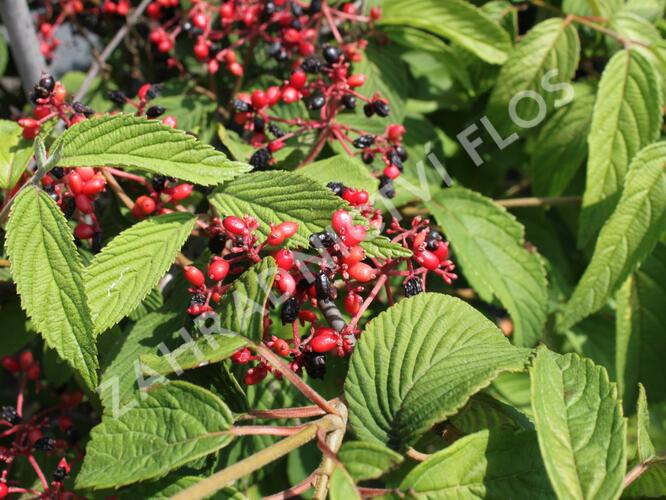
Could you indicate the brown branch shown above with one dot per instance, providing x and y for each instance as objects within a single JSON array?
[{"x": 117, "y": 189}]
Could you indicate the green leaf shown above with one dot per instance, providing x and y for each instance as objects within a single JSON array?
[
  {"x": 644, "y": 444},
  {"x": 153, "y": 302},
  {"x": 489, "y": 244},
  {"x": 580, "y": 426},
  {"x": 419, "y": 362},
  {"x": 459, "y": 21},
  {"x": 599, "y": 8},
  {"x": 650, "y": 484},
  {"x": 626, "y": 118},
  {"x": 560, "y": 146},
  {"x": 542, "y": 63},
  {"x": 167, "y": 487},
  {"x": 341, "y": 168},
  {"x": 15, "y": 324},
  {"x": 15, "y": 153},
  {"x": 135, "y": 142},
  {"x": 278, "y": 196},
  {"x": 640, "y": 327},
  {"x": 121, "y": 351},
  {"x": 380, "y": 247},
  {"x": 482, "y": 465},
  {"x": 368, "y": 460},
  {"x": 4, "y": 55},
  {"x": 48, "y": 274},
  {"x": 652, "y": 10},
  {"x": 627, "y": 237},
  {"x": 485, "y": 412},
  {"x": 129, "y": 267},
  {"x": 342, "y": 485},
  {"x": 173, "y": 425}
]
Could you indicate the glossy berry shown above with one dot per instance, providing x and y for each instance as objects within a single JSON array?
[
  {"x": 155, "y": 111},
  {"x": 427, "y": 259},
  {"x": 349, "y": 101},
  {"x": 241, "y": 106},
  {"x": 324, "y": 239},
  {"x": 181, "y": 191},
  {"x": 354, "y": 254},
  {"x": 386, "y": 186},
  {"x": 83, "y": 231},
  {"x": 314, "y": 364},
  {"x": 255, "y": 375},
  {"x": 234, "y": 225},
  {"x": 218, "y": 269},
  {"x": 59, "y": 474},
  {"x": 284, "y": 259},
  {"x": 146, "y": 205},
  {"x": 364, "y": 141},
  {"x": 332, "y": 54},
  {"x": 316, "y": 102},
  {"x": 368, "y": 109},
  {"x": 381, "y": 108},
  {"x": 412, "y": 287},
  {"x": 356, "y": 80},
  {"x": 353, "y": 235},
  {"x": 325, "y": 339},
  {"x": 285, "y": 282},
  {"x": 341, "y": 221},
  {"x": 322, "y": 286},
  {"x": 194, "y": 276},
  {"x": 241, "y": 357},
  {"x": 311, "y": 65},
  {"x": 336, "y": 187},
  {"x": 4, "y": 489},
  {"x": 442, "y": 251},
  {"x": 289, "y": 311},
  {"x": 170, "y": 121},
  {"x": 47, "y": 82},
  {"x": 281, "y": 347},
  {"x": 353, "y": 303},
  {"x": 361, "y": 272},
  {"x": 276, "y": 237},
  {"x": 217, "y": 243}
]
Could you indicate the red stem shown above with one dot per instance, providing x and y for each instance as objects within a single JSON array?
[{"x": 39, "y": 472}]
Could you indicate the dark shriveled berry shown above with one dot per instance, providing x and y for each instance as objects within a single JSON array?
[
  {"x": 44, "y": 444},
  {"x": 274, "y": 49},
  {"x": 275, "y": 130},
  {"x": 9, "y": 414},
  {"x": 216, "y": 243},
  {"x": 394, "y": 158},
  {"x": 401, "y": 152},
  {"x": 364, "y": 141},
  {"x": 314, "y": 364},
  {"x": 260, "y": 158},
  {"x": 59, "y": 474},
  {"x": 336, "y": 187},
  {"x": 290, "y": 309},
  {"x": 368, "y": 158},
  {"x": 117, "y": 97},
  {"x": 311, "y": 65},
  {"x": 369, "y": 110},
  {"x": 259, "y": 124},
  {"x": 155, "y": 111},
  {"x": 68, "y": 206},
  {"x": 158, "y": 182},
  {"x": 386, "y": 187},
  {"x": 50, "y": 190},
  {"x": 412, "y": 287},
  {"x": 81, "y": 108},
  {"x": 381, "y": 108},
  {"x": 322, "y": 286}
]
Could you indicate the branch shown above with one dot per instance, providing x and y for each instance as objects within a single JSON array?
[
  {"x": 108, "y": 50},
  {"x": 539, "y": 202}
]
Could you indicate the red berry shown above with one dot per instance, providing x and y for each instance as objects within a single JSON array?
[
  {"x": 84, "y": 204},
  {"x": 241, "y": 357},
  {"x": 442, "y": 251},
  {"x": 181, "y": 191},
  {"x": 11, "y": 364},
  {"x": 4, "y": 489},
  {"x": 375, "y": 13},
  {"x": 354, "y": 254},
  {"x": 361, "y": 272},
  {"x": 94, "y": 186},
  {"x": 234, "y": 225},
  {"x": 353, "y": 303},
  {"x": 33, "y": 372},
  {"x": 154, "y": 11},
  {"x": 236, "y": 69},
  {"x": 123, "y": 8},
  {"x": 259, "y": 99},
  {"x": 200, "y": 20},
  {"x": 83, "y": 231},
  {"x": 353, "y": 235},
  {"x": 356, "y": 80},
  {"x": 273, "y": 95},
  {"x": 143, "y": 90},
  {"x": 341, "y": 221},
  {"x": 41, "y": 112},
  {"x": 86, "y": 173},
  {"x": 284, "y": 259},
  {"x": 288, "y": 228},
  {"x": 292, "y": 35},
  {"x": 218, "y": 269},
  {"x": 165, "y": 45},
  {"x": 276, "y": 237},
  {"x": 395, "y": 132},
  {"x": 59, "y": 94},
  {"x": 227, "y": 10},
  {"x": 145, "y": 204},
  {"x": 170, "y": 121},
  {"x": 427, "y": 259},
  {"x": 289, "y": 95},
  {"x": 255, "y": 375},
  {"x": 281, "y": 348},
  {"x": 276, "y": 145},
  {"x": 298, "y": 79},
  {"x": 26, "y": 360},
  {"x": 392, "y": 172},
  {"x": 285, "y": 282},
  {"x": 325, "y": 339},
  {"x": 194, "y": 276},
  {"x": 201, "y": 51}
]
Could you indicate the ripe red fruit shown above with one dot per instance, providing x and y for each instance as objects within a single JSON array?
[
  {"x": 201, "y": 51},
  {"x": 83, "y": 231},
  {"x": 227, "y": 10},
  {"x": 298, "y": 79},
  {"x": 285, "y": 282},
  {"x": 84, "y": 204},
  {"x": 259, "y": 99},
  {"x": 356, "y": 80},
  {"x": 241, "y": 357},
  {"x": 234, "y": 225},
  {"x": 341, "y": 221},
  {"x": 288, "y": 228},
  {"x": 276, "y": 145},
  {"x": 26, "y": 360},
  {"x": 325, "y": 339},
  {"x": 180, "y": 192},
  {"x": 284, "y": 259},
  {"x": 200, "y": 20},
  {"x": 353, "y": 303},
  {"x": 427, "y": 259},
  {"x": 86, "y": 173},
  {"x": 349, "y": 8},
  {"x": 361, "y": 272},
  {"x": 355, "y": 196},
  {"x": 170, "y": 121},
  {"x": 4, "y": 489},
  {"x": 289, "y": 95},
  {"x": 94, "y": 186},
  {"x": 353, "y": 235},
  {"x": 292, "y": 35},
  {"x": 392, "y": 172},
  {"x": 354, "y": 254},
  {"x": 194, "y": 276},
  {"x": 442, "y": 251},
  {"x": 33, "y": 372},
  {"x": 145, "y": 204},
  {"x": 41, "y": 112},
  {"x": 375, "y": 13},
  {"x": 281, "y": 348},
  {"x": 235, "y": 69},
  {"x": 273, "y": 95},
  {"x": 123, "y": 8},
  {"x": 276, "y": 237},
  {"x": 307, "y": 316},
  {"x": 395, "y": 132},
  {"x": 218, "y": 269},
  {"x": 59, "y": 94},
  {"x": 143, "y": 91},
  {"x": 255, "y": 375},
  {"x": 10, "y": 364}
]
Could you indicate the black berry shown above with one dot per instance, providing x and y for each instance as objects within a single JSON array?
[
  {"x": 216, "y": 243},
  {"x": 260, "y": 158},
  {"x": 241, "y": 106},
  {"x": 386, "y": 186},
  {"x": 381, "y": 108},
  {"x": 68, "y": 206},
  {"x": 158, "y": 182},
  {"x": 364, "y": 141},
  {"x": 336, "y": 187},
  {"x": 349, "y": 101},
  {"x": 47, "y": 82},
  {"x": 259, "y": 124},
  {"x": 401, "y": 152},
  {"x": 369, "y": 110},
  {"x": 44, "y": 444},
  {"x": 368, "y": 158},
  {"x": 316, "y": 102},
  {"x": 322, "y": 286},
  {"x": 289, "y": 312},
  {"x": 323, "y": 239},
  {"x": 57, "y": 172},
  {"x": 50, "y": 190},
  {"x": 9, "y": 414},
  {"x": 315, "y": 6},
  {"x": 275, "y": 130},
  {"x": 274, "y": 49},
  {"x": 311, "y": 65},
  {"x": 332, "y": 54},
  {"x": 315, "y": 364},
  {"x": 155, "y": 111},
  {"x": 81, "y": 108},
  {"x": 412, "y": 287},
  {"x": 117, "y": 97},
  {"x": 59, "y": 474},
  {"x": 96, "y": 245}
]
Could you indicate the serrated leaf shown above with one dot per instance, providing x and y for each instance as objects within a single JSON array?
[
  {"x": 380, "y": 247},
  {"x": 368, "y": 460},
  {"x": 626, "y": 118},
  {"x": 485, "y": 412},
  {"x": 650, "y": 484},
  {"x": 644, "y": 446},
  {"x": 482, "y": 465},
  {"x": 173, "y": 425},
  {"x": 542, "y": 63},
  {"x": 580, "y": 426},
  {"x": 627, "y": 237},
  {"x": 560, "y": 146},
  {"x": 135, "y": 142},
  {"x": 121, "y": 351},
  {"x": 341, "y": 168},
  {"x": 15, "y": 153},
  {"x": 151, "y": 303},
  {"x": 48, "y": 275},
  {"x": 489, "y": 244},
  {"x": 129, "y": 267},
  {"x": 419, "y": 362},
  {"x": 459, "y": 21},
  {"x": 640, "y": 325},
  {"x": 278, "y": 196},
  {"x": 652, "y": 10},
  {"x": 342, "y": 485}
]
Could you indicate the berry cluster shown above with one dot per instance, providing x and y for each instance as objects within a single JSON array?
[{"x": 49, "y": 431}]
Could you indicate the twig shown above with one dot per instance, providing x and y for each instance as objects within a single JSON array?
[
  {"x": 117, "y": 189},
  {"x": 303, "y": 412},
  {"x": 539, "y": 202},
  {"x": 295, "y": 490},
  {"x": 265, "y": 430},
  {"x": 333, "y": 442},
  {"x": 4, "y": 263},
  {"x": 416, "y": 455},
  {"x": 108, "y": 50}
]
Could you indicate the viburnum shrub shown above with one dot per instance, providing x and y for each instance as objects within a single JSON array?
[{"x": 336, "y": 249}]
